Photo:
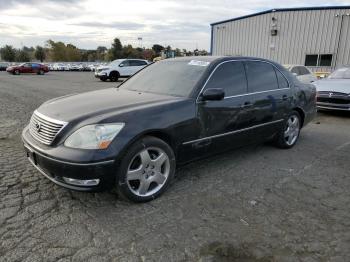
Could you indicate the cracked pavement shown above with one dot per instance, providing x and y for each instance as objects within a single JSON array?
[{"x": 257, "y": 203}]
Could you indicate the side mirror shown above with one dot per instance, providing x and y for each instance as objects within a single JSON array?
[
  {"x": 295, "y": 74},
  {"x": 213, "y": 94},
  {"x": 121, "y": 65}
]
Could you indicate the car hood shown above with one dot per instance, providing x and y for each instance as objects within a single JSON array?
[
  {"x": 96, "y": 103},
  {"x": 334, "y": 85}
]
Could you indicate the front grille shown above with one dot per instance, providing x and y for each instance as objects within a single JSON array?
[
  {"x": 333, "y": 100},
  {"x": 44, "y": 129}
]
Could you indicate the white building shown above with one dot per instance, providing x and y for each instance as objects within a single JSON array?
[{"x": 318, "y": 37}]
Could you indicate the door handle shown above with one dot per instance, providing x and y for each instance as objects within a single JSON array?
[
  {"x": 284, "y": 97},
  {"x": 246, "y": 104}
]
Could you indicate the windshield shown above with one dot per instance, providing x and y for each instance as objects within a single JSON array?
[
  {"x": 168, "y": 77},
  {"x": 341, "y": 73}
]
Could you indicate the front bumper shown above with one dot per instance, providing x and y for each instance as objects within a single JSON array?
[
  {"x": 333, "y": 106},
  {"x": 101, "y": 74},
  {"x": 96, "y": 176}
]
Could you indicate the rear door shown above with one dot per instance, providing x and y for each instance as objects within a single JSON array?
[{"x": 270, "y": 100}]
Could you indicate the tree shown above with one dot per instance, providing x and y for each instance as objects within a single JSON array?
[
  {"x": 101, "y": 49},
  {"x": 8, "y": 53},
  {"x": 57, "y": 50},
  {"x": 40, "y": 53},
  {"x": 157, "y": 48},
  {"x": 22, "y": 56},
  {"x": 116, "y": 50}
]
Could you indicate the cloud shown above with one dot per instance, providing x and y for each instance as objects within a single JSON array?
[
  {"x": 116, "y": 25},
  {"x": 90, "y": 23}
]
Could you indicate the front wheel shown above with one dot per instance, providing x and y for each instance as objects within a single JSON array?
[
  {"x": 41, "y": 72},
  {"x": 288, "y": 136},
  {"x": 114, "y": 76},
  {"x": 146, "y": 170},
  {"x": 16, "y": 72}
]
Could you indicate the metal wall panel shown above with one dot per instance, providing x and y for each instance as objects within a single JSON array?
[{"x": 300, "y": 33}]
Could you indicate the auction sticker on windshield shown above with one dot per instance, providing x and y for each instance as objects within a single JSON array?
[{"x": 198, "y": 63}]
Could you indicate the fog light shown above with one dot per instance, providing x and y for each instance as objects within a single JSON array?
[{"x": 79, "y": 182}]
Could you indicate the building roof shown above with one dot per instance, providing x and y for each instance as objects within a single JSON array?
[{"x": 283, "y": 10}]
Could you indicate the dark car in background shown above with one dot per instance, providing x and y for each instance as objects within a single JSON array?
[
  {"x": 171, "y": 112},
  {"x": 28, "y": 68},
  {"x": 333, "y": 92},
  {"x": 3, "y": 66}
]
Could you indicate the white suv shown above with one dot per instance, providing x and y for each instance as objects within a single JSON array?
[{"x": 120, "y": 68}]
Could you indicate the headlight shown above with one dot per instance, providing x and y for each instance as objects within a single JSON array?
[
  {"x": 105, "y": 69},
  {"x": 94, "y": 136}
]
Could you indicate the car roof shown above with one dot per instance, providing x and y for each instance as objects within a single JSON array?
[{"x": 217, "y": 59}]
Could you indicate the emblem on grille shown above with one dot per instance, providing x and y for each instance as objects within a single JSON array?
[
  {"x": 38, "y": 127},
  {"x": 330, "y": 94}
]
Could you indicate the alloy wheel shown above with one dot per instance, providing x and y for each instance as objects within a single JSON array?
[
  {"x": 148, "y": 171},
  {"x": 292, "y": 130}
]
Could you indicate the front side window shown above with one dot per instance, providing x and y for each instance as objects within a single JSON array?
[
  {"x": 230, "y": 77},
  {"x": 125, "y": 63},
  {"x": 295, "y": 70},
  {"x": 261, "y": 76}
]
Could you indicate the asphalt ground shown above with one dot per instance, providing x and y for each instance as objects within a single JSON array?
[{"x": 257, "y": 203}]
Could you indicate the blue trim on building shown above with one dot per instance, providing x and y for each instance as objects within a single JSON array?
[{"x": 282, "y": 10}]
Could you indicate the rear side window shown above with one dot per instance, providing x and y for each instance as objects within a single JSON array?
[
  {"x": 137, "y": 63},
  {"x": 282, "y": 81},
  {"x": 229, "y": 76},
  {"x": 261, "y": 76}
]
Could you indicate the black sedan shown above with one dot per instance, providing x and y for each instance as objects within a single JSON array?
[{"x": 171, "y": 112}]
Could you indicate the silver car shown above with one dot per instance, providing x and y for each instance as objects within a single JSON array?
[
  {"x": 302, "y": 73},
  {"x": 333, "y": 92}
]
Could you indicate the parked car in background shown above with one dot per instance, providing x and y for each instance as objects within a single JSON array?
[
  {"x": 171, "y": 112},
  {"x": 333, "y": 92},
  {"x": 302, "y": 73},
  {"x": 120, "y": 68},
  {"x": 29, "y": 68},
  {"x": 3, "y": 66}
]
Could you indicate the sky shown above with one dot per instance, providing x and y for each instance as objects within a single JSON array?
[{"x": 91, "y": 23}]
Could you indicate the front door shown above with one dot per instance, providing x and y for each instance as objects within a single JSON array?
[{"x": 224, "y": 123}]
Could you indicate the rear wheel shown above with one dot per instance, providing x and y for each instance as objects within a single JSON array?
[
  {"x": 146, "y": 170},
  {"x": 288, "y": 136},
  {"x": 114, "y": 76}
]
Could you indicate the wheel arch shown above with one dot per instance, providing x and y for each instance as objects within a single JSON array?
[
  {"x": 301, "y": 113},
  {"x": 114, "y": 72}
]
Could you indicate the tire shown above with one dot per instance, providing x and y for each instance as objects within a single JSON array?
[
  {"x": 146, "y": 170},
  {"x": 288, "y": 136},
  {"x": 16, "y": 72},
  {"x": 114, "y": 76},
  {"x": 41, "y": 72}
]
